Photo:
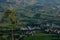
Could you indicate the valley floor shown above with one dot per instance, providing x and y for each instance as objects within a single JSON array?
[{"x": 37, "y": 36}]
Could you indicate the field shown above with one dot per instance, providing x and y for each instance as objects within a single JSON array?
[
  {"x": 36, "y": 36},
  {"x": 43, "y": 37}
]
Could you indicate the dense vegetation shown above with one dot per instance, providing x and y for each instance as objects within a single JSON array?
[{"x": 16, "y": 14}]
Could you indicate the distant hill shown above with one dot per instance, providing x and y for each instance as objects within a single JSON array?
[{"x": 33, "y": 9}]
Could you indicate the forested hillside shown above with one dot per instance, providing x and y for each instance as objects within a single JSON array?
[{"x": 27, "y": 19}]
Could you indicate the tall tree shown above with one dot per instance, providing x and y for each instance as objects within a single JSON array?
[{"x": 11, "y": 15}]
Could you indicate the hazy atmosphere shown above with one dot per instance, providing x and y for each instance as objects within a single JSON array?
[{"x": 29, "y": 19}]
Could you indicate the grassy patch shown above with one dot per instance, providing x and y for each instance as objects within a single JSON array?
[{"x": 42, "y": 36}]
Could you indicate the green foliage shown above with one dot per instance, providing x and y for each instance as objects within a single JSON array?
[{"x": 10, "y": 15}]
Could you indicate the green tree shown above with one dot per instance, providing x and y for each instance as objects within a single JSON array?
[{"x": 11, "y": 15}]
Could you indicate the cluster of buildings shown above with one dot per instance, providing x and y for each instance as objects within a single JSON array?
[
  {"x": 48, "y": 28},
  {"x": 53, "y": 30},
  {"x": 29, "y": 30}
]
